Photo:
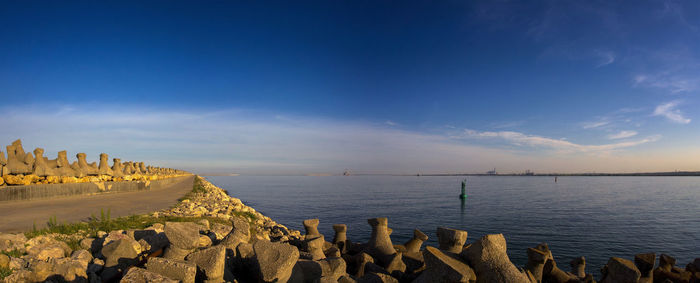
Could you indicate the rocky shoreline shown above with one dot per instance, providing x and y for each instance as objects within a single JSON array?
[{"x": 210, "y": 236}]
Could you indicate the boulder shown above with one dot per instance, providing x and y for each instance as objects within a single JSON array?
[
  {"x": 43, "y": 248},
  {"x": 274, "y": 261},
  {"x": 220, "y": 230},
  {"x": 377, "y": 278},
  {"x": 240, "y": 233},
  {"x": 451, "y": 240},
  {"x": 490, "y": 261},
  {"x": 183, "y": 238},
  {"x": 9, "y": 242},
  {"x": 140, "y": 275},
  {"x": 121, "y": 253},
  {"x": 4, "y": 261},
  {"x": 182, "y": 271},
  {"x": 211, "y": 262}
]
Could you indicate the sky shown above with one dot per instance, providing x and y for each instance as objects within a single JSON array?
[{"x": 280, "y": 87}]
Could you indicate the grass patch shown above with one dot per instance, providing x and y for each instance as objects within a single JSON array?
[
  {"x": 105, "y": 223},
  {"x": 197, "y": 188},
  {"x": 13, "y": 253},
  {"x": 4, "y": 272}
]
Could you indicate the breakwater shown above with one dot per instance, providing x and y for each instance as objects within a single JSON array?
[
  {"x": 226, "y": 241},
  {"x": 24, "y": 168}
]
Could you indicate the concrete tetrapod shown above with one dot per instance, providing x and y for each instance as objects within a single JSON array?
[
  {"x": 443, "y": 268},
  {"x": 620, "y": 270},
  {"x": 490, "y": 261},
  {"x": 41, "y": 167},
  {"x": 413, "y": 245},
  {"x": 451, "y": 240},
  {"x": 340, "y": 239},
  {"x": 311, "y": 227},
  {"x": 103, "y": 168},
  {"x": 645, "y": 264},
  {"x": 379, "y": 245}
]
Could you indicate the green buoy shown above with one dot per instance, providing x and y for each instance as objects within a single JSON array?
[{"x": 463, "y": 195}]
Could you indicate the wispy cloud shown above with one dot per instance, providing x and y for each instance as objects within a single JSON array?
[
  {"x": 605, "y": 57},
  {"x": 673, "y": 83},
  {"x": 669, "y": 111},
  {"x": 521, "y": 139},
  {"x": 622, "y": 135},
  {"x": 390, "y": 123},
  {"x": 595, "y": 124}
]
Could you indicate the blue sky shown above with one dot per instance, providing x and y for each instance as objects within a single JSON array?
[{"x": 262, "y": 87}]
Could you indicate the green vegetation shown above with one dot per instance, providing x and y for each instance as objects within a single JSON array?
[
  {"x": 197, "y": 188},
  {"x": 4, "y": 272},
  {"x": 13, "y": 253},
  {"x": 105, "y": 223}
]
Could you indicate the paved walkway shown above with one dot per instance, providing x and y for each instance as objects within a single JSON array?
[{"x": 20, "y": 216}]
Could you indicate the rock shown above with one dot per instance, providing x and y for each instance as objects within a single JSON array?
[
  {"x": 451, "y": 240},
  {"x": 620, "y": 270},
  {"x": 183, "y": 271},
  {"x": 274, "y": 261},
  {"x": 220, "y": 231},
  {"x": 18, "y": 180},
  {"x": 82, "y": 256},
  {"x": 204, "y": 241},
  {"x": 4, "y": 261},
  {"x": 140, "y": 275},
  {"x": 490, "y": 262},
  {"x": 183, "y": 238},
  {"x": 443, "y": 268},
  {"x": 346, "y": 279},
  {"x": 121, "y": 253},
  {"x": 69, "y": 269},
  {"x": 211, "y": 262},
  {"x": 240, "y": 233},
  {"x": 43, "y": 248},
  {"x": 377, "y": 278},
  {"x": 10, "y": 242}
]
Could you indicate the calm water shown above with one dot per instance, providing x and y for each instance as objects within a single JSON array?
[{"x": 595, "y": 217}]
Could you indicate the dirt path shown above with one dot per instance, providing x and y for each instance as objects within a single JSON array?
[{"x": 21, "y": 216}]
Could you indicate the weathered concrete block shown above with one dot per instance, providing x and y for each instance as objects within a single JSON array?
[
  {"x": 274, "y": 261},
  {"x": 311, "y": 227},
  {"x": 211, "y": 262},
  {"x": 451, "y": 240},
  {"x": 379, "y": 245},
  {"x": 490, "y": 261},
  {"x": 183, "y": 238},
  {"x": 620, "y": 270},
  {"x": 183, "y": 271},
  {"x": 413, "y": 245},
  {"x": 140, "y": 275}
]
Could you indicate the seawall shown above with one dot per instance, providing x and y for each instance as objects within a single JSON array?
[{"x": 42, "y": 191}]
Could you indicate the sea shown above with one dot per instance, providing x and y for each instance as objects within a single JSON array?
[{"x": 594, "y": 217}]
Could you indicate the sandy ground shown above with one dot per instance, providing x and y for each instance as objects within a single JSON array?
[{"x": 20, "y": 216}]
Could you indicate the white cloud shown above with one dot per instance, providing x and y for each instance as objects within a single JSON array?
[
  {"x": 669, "y": 111},
  {"x": 622, "y": 135},
  {"x": 390, "y": 123},
  {"x": 596, "y": 124},
  {"x": 521, "y": 139}
]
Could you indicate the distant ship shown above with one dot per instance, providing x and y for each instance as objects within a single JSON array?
[
  {"x": 347, "y": 173},
  {"x": 492, "y": 172}
]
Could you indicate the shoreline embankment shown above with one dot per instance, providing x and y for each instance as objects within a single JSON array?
[{"x": 210, "y": 236}]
